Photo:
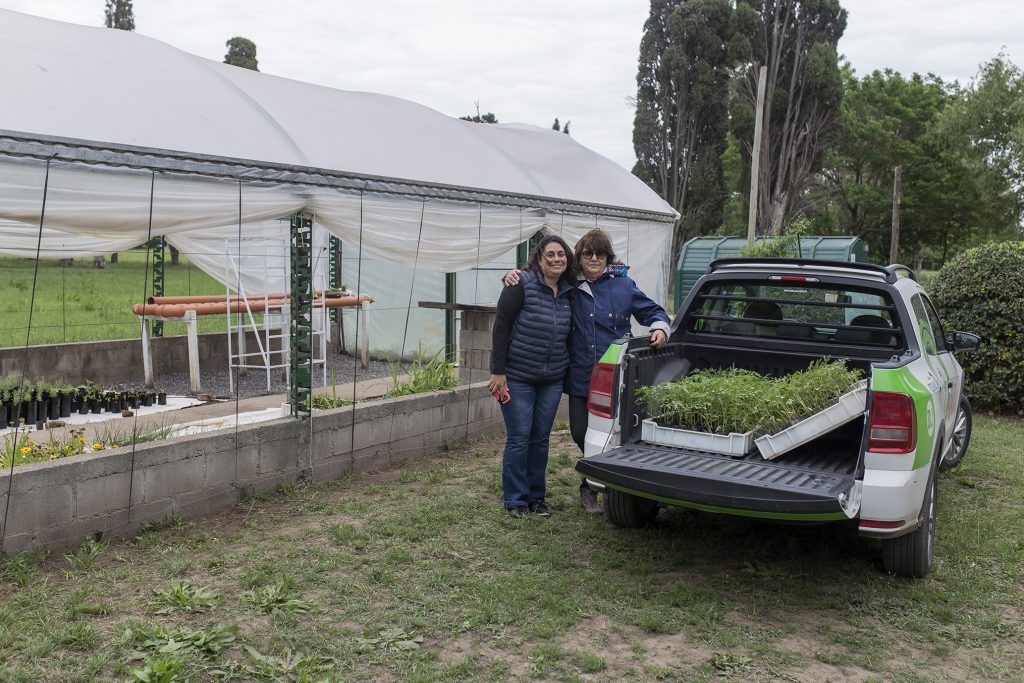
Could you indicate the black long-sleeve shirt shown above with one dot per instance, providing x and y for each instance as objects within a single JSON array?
[{"x": 510, "y": 302}]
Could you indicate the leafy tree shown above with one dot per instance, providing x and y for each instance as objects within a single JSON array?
[
  {"x": 241, "y": 52},
  {"x": 679, "y": 131},
  {"x": 948, "y": 201},
  {"x": 796, "y": 40},
  {"x": 119, "y": 14},
  {"x": 986, "y": 125},
  {"x": 477, "y": 118}
]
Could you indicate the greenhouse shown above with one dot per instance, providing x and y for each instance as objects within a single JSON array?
[{"x": 110, "y": 140}]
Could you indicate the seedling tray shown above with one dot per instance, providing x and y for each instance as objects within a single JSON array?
[
  {"x": 728, "y": 444},
  {"x": 850, "y": 406}
]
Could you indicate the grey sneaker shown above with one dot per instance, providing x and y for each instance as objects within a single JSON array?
[
  {"x": 518, "y": 512},
  {"x": 589, "y": 501},
  {"x": 540, "y": 508}
]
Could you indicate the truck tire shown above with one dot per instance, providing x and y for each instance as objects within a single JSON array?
[
  {"x": 961, "y": 435},
  {"x": 911, "y": 554},
  {"x": 628, "y": 511}
]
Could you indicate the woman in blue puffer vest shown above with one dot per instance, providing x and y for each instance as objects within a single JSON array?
[
  {"x": 529, "y": 359},
  {"x": 606, "y": 300}
]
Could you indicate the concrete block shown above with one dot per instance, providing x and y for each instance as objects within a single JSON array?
[
  {"x": 174, "y": 478},
  {"x": 276, "y": 457},
  {"x": 195, "y": 504},
  {"x": 332, "y": 468},
  {"x": 227, "y": 467},
  {"x": 105, "y": 495},
  {"x": 40, "y": 509},
  {"x": 372, "y": 459}
]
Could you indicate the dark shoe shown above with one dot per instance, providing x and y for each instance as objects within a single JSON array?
[
  {"x": 518, "y": 512},
  {"x": 540, "y": 508},
  {"x": 588, "y": 499}
]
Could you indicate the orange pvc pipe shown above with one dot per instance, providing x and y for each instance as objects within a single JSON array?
[
  {"x": 238, "y": 306},
  {"x": 209, "y": 299}
]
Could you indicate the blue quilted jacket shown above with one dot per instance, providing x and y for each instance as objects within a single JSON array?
[{"x": 538, "y": 350}]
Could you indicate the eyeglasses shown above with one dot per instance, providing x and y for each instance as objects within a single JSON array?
[{"x": 590, "y": 253}]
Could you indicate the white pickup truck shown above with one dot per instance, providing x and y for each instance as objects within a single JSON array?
[{"x": 879, "y": 469}]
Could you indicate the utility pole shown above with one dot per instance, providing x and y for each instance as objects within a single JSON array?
[
  {"x": 755, "y": 157},
  {"x": 897, "y": 189}
]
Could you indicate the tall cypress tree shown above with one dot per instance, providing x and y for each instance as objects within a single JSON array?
[
  {"x": 679, "y": 132},
  {"x": 119, "y": 14}
]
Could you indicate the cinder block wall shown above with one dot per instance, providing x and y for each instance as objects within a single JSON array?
[
  {"x": 57, "y": 504},
  {"x": 475, "y": 346},
  {"x": 118, "y": 360}
]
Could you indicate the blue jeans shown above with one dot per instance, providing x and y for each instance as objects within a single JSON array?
[{"x": 528, "y": 419}]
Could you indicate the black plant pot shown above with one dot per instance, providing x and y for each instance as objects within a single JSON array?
[
  {"x": 65, "y": 405},
  {"x": 83, "y": 407},
  {"x": 54, "y": 409},
  {"x": 133, "y": 402},
  {"x": 5, "y": 414},
  {"x": 41, "y": 411},
  {"x": 161, "y": 398},
  {"x": 28, "y": 412},
  {"x": 94, "y": 405},
  {"x": 147, "y": 399}
]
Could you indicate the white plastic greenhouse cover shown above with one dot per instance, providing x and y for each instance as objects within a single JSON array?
[{"x": 122, "y": 137}]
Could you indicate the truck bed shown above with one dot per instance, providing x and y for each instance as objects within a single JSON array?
[{"x": 813, "y": 481}]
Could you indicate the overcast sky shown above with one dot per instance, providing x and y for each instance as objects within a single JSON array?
[{"x": 527, "y": 60}]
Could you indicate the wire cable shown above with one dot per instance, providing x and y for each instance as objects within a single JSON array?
[
  {"x": 24, "y": 357},
  {"x": 145, "y": 293}
]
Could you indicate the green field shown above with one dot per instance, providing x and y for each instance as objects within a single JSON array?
[
  {"x": 416, "y": 574},
  {"x": 79, "y": 303}
]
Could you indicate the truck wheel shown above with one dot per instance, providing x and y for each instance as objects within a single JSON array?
[
  {"x": 961, "y": 435},
  {"x": 911, "y": 554},
  {"x": 628, "y": 511}
]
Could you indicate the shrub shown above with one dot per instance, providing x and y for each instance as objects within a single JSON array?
[{"x": 982, "y": 291}]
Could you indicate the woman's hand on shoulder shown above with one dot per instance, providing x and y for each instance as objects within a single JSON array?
[{"x": 511, "y": 278}]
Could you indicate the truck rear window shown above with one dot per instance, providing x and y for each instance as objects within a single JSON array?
[{"x": 819, "y": 313}]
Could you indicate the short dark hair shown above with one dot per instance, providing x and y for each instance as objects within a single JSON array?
[
  {"x": 570, "y": 261},
  {"x": 595, "y": 240}
]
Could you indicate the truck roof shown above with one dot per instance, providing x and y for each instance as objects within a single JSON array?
[{"x": 888, "y": 274}]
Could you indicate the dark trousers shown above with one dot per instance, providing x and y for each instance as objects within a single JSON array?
[{"x": 578, "y": 416}]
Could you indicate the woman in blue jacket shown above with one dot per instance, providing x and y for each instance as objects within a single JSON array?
[
  {"x": 606, "y": 299},
  {"x": 529, "y": 359}
]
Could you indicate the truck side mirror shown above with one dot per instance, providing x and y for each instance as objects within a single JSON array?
[{"x": 965, "y": 341}]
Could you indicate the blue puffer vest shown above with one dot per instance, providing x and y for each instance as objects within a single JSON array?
[{"x": 538, "y": 351}]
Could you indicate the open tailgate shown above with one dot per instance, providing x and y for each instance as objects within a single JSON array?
[{"x": 810, "y": 483}]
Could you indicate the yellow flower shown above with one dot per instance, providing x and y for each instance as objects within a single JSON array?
[
  {"x": 81, "y": 439},
  {"x": 26, "y": 449},
  {"x": 53, "y": 457},
  {"x": 97, "y": 447},
  {"x": 113, "y": 445}
]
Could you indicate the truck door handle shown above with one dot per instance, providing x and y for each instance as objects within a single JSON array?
[{"x": 950, "y": 385}]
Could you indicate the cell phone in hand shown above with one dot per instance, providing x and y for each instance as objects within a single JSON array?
[{"x": 501, "y": 396}]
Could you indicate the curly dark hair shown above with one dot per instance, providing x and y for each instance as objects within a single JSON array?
[{"x": 570, "y": 261}]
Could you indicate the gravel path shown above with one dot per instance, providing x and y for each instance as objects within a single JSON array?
[{"x": 216, "y": 381}]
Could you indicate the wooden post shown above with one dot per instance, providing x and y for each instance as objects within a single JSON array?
[
  {"x": 147, "y": 353},
  {"x": 897, "y": 188},
  {"x": 755, "y": 157},
  {"x": 192, "y": 327}
]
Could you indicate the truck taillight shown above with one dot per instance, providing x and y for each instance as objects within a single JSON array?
[
  {"x": 893, "y": 425},
  {"x": 600, "y": 400}
]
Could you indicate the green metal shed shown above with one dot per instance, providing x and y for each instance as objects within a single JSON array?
[{"x": 698, "y": 252}]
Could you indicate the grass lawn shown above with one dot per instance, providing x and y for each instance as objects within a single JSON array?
[
  {"x": 79, "y": 303},
  {"x": 416, "y": 574}
]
